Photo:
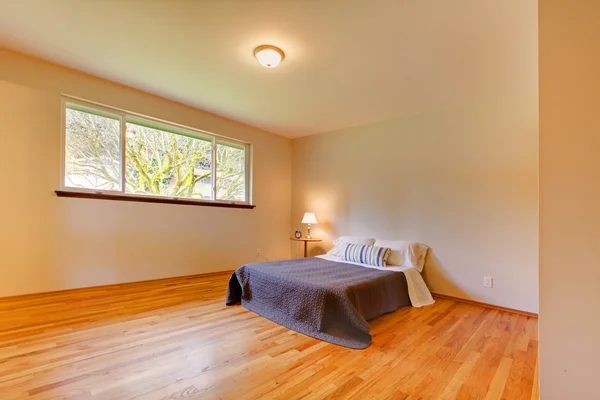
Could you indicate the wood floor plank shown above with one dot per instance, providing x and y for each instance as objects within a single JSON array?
[
  {"x": 458, "y": 380},
  {"x": 499, "y": 380},
  {"x": 175, "y": 339}
]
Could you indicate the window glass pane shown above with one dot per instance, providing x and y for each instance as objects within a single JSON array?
[
  {"x": 231, "y": 172},
  {"x": 92, "y": 151},
  {"x": 166, "y": 164}
]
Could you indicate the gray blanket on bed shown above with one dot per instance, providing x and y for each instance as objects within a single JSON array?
[{"x": 324, "y": 299}]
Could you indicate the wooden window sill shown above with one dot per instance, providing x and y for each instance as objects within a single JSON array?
[{"x": 148, "y": 199}]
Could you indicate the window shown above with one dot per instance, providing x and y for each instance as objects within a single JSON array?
[
  {"x": 92, "y": 150},
  {"x": 231, "y": 160},
  {"x": 163, "y": 163},
  {"x": 112, "y": 151}
]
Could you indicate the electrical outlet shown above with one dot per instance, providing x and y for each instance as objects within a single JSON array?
[
  {"x": 258, "y": 251},
  {"x": 488, "y": 281}
]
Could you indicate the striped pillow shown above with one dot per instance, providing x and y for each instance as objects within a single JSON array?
[{"x": 365, "y": 254}]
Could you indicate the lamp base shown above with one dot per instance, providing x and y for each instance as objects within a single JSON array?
[{"x": 308, "y": 236}]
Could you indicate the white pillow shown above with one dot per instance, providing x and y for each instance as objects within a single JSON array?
[
  {"x": 339, "y": 244},
  {"x": 404, "y": 253}
]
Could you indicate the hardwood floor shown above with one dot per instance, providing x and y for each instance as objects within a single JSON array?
[{"x": 175, "y": 339}]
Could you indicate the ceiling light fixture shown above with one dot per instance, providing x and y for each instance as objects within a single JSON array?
[{"x": 268, "y": 56}]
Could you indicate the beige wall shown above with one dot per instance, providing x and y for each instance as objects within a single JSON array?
[
  {"x": 461, "y": 177},
  {"x": 49, "y": 243},
  {"x": 464, "y": 181},
  {"x": 569, "y": 199}
]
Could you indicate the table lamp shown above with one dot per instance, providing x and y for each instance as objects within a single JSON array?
[{"x": 309, "y": 218}]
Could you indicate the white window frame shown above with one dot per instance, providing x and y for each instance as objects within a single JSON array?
[{"x": 124, "y": 116}]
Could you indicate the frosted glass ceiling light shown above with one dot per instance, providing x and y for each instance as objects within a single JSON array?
[{"x": 268, "y": 56}]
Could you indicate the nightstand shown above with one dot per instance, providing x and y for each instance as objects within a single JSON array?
[{"x": 305, "y": 240}]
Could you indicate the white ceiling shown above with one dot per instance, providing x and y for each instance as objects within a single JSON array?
[{"x": 348, "y": 62}]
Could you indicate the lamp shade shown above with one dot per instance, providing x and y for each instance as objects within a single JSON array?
[{"x": 309, "y": 218}]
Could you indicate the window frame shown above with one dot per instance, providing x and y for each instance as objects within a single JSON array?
[{"x": 174, "y": 128}]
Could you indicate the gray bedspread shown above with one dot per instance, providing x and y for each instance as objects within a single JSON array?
[{"x": 327, "y": 300}]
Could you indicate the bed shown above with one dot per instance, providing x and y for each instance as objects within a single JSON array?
[{"x": 325, "y": 297}]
